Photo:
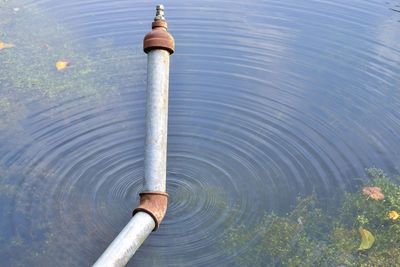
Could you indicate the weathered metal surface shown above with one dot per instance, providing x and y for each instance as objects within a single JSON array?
[
  {"x": 159, "y": 37},
  {"x": 158, "y": 44},
  {"x": 155, "y": 204},
  {"x": 155, "y": 157},
  {"x": 127, "y": 242}
]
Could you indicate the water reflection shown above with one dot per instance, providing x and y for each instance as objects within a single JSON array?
[{"x": 268, "y": 100}]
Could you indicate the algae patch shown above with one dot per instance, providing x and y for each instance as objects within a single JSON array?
[
  {"x": 43, "y": 62},
  {"x": 358, "y": 231}
]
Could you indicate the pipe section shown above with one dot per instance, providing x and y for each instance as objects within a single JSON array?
[
  {"x": 127, "y": 242},
  {"x": 156, "y": 121},
  {"x": 159, "y": 45}
]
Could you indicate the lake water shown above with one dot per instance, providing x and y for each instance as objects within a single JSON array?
[{"x": 268, "y": 100}]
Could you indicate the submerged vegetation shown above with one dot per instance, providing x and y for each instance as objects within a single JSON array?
[
  {"x": 43, "y": 65},
  {"x": 42, "y": 61},
  {"x": 362, "y": 230}
]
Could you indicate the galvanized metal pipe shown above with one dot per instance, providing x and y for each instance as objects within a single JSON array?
[
  {"x": 127, "y": 242},
  {"x": 156, "y": 120},
  {"x": 159, "y": 45}
]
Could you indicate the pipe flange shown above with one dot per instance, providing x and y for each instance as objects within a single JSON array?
[{"x": 154, "y": 204}]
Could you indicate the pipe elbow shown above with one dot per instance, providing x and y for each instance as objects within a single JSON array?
[{"x": 155, "y": 204}]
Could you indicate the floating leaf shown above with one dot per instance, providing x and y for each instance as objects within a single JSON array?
[
  {"x": 373, "y": 192},
  {"x": 393, "y": 215},
  {"x": 4, "y": 45},
  {"x": 61, "y": 65},
  {"x": 367, "y": 239}
]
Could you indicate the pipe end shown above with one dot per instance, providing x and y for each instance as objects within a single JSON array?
[
  {"x": 159, "y": 13},
  {"x": 159, "y": 37}
]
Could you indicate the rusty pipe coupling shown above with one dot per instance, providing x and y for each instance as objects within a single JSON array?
[
  {"x": 154, "y": 204},
  {"x": 159, "y": 37}
]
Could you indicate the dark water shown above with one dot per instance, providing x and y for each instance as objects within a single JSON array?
[{"x": 268, "y": 100}]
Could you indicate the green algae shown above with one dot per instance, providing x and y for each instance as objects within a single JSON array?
[
  {"x": 312, "y": 235},
  {"x": 98, "y": 68}
]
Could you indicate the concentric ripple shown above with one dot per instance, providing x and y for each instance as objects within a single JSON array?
[{"x": 268, "y": 100}]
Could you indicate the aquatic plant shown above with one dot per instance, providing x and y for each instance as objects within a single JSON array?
[
  {"x": 42, "y": 60},
  {"x": 359, "y": 231},
  {"x": 43, "y": 64}
]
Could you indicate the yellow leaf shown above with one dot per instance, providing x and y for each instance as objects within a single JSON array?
[
  {"x": 367, "y": 239},
  {"x": 62, "y": 64},
  {"x": 393, "y": 215},
  {"x": 4, "y": 45}
]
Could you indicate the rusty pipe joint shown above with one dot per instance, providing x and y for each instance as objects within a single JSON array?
[
  {"x": 159, "y": 37},
  {"x": 155, "y": 204}
]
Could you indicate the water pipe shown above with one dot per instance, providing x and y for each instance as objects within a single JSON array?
[{"x": 158, "y": 45}]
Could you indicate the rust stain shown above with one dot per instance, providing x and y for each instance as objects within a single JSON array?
[
  {"x": 155, "y": 204},
  {"x": 159, "y": 38}
]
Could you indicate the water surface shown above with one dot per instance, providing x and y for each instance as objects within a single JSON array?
[{"x": 268, "y": 100}]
